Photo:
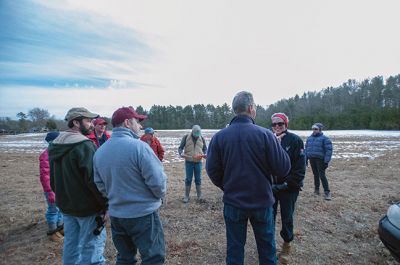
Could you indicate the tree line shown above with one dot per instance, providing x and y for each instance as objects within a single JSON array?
[{"x": 369, "y": 104}]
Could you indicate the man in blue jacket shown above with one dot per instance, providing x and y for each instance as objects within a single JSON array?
[
  {"x": 241, "y": 161},
  {"x": 319, "y": 152},
  {"x": 132, "y": 177}
]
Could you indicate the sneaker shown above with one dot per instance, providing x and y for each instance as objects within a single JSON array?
[
  {"x": 328, "y": 196},
  {"x": 316, "y": 192},
  {"x": 55, "y": 236},
  {"x": 60, "y": 229}
]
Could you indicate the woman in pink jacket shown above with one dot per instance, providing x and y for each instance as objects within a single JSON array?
[{"x": 54, "y": 217}]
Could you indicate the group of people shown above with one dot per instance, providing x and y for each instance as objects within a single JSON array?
[{"x": 88, "y": 175}]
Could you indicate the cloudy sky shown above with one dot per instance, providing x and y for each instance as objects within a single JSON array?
[{"x": 106, "y": 54}]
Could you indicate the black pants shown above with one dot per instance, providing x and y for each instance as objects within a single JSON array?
[
  {"x": 317, "y": 166},
  {"x": 287, "y": 201}
]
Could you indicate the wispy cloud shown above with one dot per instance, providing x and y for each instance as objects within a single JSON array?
[{"x": 50, "y": 47}]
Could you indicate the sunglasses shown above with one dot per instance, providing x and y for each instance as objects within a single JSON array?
[
  {"x": 278, "y": 123},
  {"x": 315, "y": 129}
]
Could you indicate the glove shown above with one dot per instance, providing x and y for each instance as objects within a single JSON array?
[
  {"x": 51, "y": 197},
  {"x": 279, "y": 187},
  {"x": 325, "y": 165}
]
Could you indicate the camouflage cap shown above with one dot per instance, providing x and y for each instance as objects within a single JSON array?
[{"x": 79, "y": 112}]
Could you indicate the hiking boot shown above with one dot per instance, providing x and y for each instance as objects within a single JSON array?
[
  {"x": 60, "y": 229},
  {"x": 283, "y": 256},
  {"x": 327, "y": 196},
  {"x": 55, "y": 236},
  {"x": 316, "y": 192}
]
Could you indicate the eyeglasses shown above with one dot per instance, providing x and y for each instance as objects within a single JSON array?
[{"x": 278, "y": 123}]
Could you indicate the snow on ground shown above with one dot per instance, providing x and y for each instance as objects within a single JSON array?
[{"x": 347, "y": 144}]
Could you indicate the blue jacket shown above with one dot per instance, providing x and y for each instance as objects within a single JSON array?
[
  {"x": 128, "y": 172},
  {"x": 319, "y": 146},
  {"x": 241, "y": 160}
]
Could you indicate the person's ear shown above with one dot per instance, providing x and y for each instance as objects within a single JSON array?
[
  {"x": 126, "y": 123},
  {"x": 76, "y": 123}
]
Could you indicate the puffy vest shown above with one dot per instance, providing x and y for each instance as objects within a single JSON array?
[{"x": 192, "y": 149}]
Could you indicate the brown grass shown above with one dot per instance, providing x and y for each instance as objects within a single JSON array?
[{"x": 342, "y": 231}]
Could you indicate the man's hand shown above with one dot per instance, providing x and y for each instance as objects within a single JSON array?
[
  {"x": 199, "y": 156},
  {"x": 326, "y": 165},
  {"x": 279, "y": 187},
  {"x": 279, "y": 137}
]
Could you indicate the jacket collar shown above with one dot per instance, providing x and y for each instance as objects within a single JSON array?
[
  {"x": 121, "y": 131},
  {"x": 318, "y": 134},
  {"x": 240, "y": 118}
]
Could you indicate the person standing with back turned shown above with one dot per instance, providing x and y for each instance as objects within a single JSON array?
[
  {"x": 241, "y": 161},
  {"x": 132, "y": 177}
]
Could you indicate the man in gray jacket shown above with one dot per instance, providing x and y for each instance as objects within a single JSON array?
[{"x": 128, "y": 172}]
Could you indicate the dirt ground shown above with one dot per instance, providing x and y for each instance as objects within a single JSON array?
[{"x": 341, "y": 231}]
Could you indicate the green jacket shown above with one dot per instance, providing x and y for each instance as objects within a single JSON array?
[{"x": 71, "y": 175}]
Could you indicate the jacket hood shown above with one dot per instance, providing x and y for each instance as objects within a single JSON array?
[{"x": 64, "y": 143}]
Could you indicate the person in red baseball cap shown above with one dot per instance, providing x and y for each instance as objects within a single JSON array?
[
  {"x": 127, "y": 113},
  {"x": 99, "y": 135},
  {"x": 128, "y": 172}
]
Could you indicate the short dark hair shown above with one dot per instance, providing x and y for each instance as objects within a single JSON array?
[
  {"x": 71, "y": 124},
  {"x": 242, "y": 101}
]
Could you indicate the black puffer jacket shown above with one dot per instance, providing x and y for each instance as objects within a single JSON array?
[{"x": 294, "y": 146}]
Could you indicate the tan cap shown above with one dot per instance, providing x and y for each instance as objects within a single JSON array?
[{"x": 79, "y": 112}]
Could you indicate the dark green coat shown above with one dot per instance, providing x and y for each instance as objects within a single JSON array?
[{"x": 71, "y": 175}]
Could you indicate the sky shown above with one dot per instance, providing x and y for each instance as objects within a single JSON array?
[{"x": 103, "y": 55}]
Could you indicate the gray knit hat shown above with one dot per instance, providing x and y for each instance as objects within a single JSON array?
[{"x": 318, "y": 126}]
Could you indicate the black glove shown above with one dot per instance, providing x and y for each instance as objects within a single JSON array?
[
  {"x": 279, "y": 187},
  {"x": 325, "y": 165}
]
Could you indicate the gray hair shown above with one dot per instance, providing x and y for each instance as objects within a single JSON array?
[{"x": 242, "y": 101}]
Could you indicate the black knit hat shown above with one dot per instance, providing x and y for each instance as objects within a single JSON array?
[{"x": 51, "y": 136}]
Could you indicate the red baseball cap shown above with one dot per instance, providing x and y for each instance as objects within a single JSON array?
[
  {"x": 124, "y": 113},
  {"x": 99, "y": 121}
]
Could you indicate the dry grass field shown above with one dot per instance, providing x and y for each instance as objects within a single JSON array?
[{"x": 341, "y": 231}]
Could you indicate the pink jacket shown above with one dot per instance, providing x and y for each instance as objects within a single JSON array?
[{"x": 45, "y": 171}]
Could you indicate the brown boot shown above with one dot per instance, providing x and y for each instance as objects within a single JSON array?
[
  {"x": 55, "y": 236},
  {"x": 60, "y": 229},
  {"x": 285, "y": 253}
]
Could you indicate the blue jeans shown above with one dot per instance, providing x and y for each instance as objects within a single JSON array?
[
  {"x": 144, "y": 233},
  {"x": 287, "y": 201},
  {"x": 317, "y": 166},
  {"x": 193, "y": 167},
  {"x": 236, "y": 231},
  {"x": 81, "y": 246},
  {"x": 54, "y": 217}
]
